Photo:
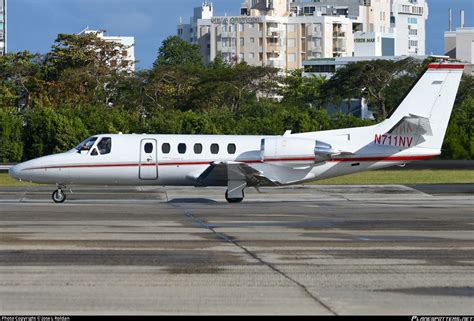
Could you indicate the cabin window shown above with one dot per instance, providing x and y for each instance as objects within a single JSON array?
[
  {"x": 148, "y": 148},
  {"x": 182, "y": 148},
  {"x": 198, "y": 148},
  {"x": 231, "y": 149},
  {"x": 166, "y": 148},
  {"x": 215, "y": 149},
  {"x": 94, "y": 152},
  {"x": 105, "y": 146}
]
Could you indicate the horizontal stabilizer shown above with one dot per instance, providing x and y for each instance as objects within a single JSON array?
[{"x": 412, "y": 125}]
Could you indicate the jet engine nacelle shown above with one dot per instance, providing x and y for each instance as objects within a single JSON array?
[
  {"x": 288, "y": 149},
  {"x": 296, "y": 149}
]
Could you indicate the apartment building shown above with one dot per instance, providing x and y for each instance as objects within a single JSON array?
[
  {"x": 3, "y": 27},
  {"x": 408, "y": 21},
  {"x": 459, "y": 44},
  {"x": 128, "y": 53},
  {"x": 285, "y": 33}
]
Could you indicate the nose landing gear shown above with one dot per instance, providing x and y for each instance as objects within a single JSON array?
[{"x": 59, "y": 196}]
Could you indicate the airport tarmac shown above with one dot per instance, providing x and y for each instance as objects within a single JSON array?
[{"x": 303, "y": 250}]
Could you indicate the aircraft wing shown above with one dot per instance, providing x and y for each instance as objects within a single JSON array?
[{"x": 220, "y": 173}]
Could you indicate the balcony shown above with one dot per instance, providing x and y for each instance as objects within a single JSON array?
[
  {"x": 339, "y": 34},
  {"x": 317, "y": 34},
  {"x": 226, "y": 34},
  {"x": 338, "y": 49},
  {"x": 273, "y": 47},
  {"x": 314, "y": 48},
  {"x": 313, "y": 33},
  {"x": 275, "y": 63},
  {"x": 273, "y": 32}
]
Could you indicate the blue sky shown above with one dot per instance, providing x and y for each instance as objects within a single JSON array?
[{"x": 34, "y": 24}]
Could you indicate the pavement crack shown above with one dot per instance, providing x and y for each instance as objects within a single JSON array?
[{"x": 227, "y": 239}]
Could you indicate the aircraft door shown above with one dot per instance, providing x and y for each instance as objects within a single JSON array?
[{"x": 148, "y": 160}]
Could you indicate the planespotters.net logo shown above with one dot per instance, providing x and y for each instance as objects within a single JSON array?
[{"x": 416, "y": 318}]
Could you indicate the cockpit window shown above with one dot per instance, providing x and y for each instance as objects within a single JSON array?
[
  {"x": 105, "y": 146},
  {"x": 87, "y": 144}
]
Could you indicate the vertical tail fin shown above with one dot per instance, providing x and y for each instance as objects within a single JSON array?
[{"x": 425, "y": 112}]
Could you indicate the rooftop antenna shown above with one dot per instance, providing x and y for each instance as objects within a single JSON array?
[{"x": 450, "y": 20}]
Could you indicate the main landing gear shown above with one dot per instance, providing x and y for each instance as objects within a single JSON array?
[
  {"x": 234, "y": 200},
  {"x": 235, "y": 191},
  {"x": 59, "y": 196}
]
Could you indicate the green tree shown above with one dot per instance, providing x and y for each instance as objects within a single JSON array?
[
  {"x": 459, "y": 141},
  {"x": 20, "y": 79},
  {"x": 302, "y": 90},
  {"x": 11, "y": 131},
  {"x": 230, "y": 86},
  {"x": 49, "y": 132},
  {"x": 175, "y": 51},
  {"x": 85, "y": 69},
  {"x": 372, "y": 80}
]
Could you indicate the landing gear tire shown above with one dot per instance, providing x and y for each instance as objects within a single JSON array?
[
  {"x": 59, "y": 196},
  {"x": 233, "y": 200}
]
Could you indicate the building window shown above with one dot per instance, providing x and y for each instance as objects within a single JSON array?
[
  {"x": 242, "y": 56},
  {"x": 252, "y": 40},
  {"x": 291, "y": 57},
  {"x": 291, "y": 42},
  {"x": 291, "y": 28},
  {"x": 412, "y": 21},
  {"x": 252, "y": 55},
  {"x": 241, "y": 27},
  {"x": 242, "y": 41}
]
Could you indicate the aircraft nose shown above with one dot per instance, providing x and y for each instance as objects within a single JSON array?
[{"x": 13, "y": 172}]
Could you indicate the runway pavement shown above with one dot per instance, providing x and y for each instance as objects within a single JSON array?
[{"x": 303, "y": 250}]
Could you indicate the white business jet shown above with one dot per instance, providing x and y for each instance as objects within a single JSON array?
[{"x": 415, "y": 131}]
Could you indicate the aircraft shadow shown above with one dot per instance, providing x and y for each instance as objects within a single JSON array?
[{"x": 192, "y": 201}]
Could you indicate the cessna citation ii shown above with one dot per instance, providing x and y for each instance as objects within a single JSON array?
[{"x": 415, "y": 131}]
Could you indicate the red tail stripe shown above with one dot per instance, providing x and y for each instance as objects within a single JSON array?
[{"x": 445, "y": 66}]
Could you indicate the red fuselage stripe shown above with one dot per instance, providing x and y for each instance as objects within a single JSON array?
[{"x": 336, "y": 160}]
